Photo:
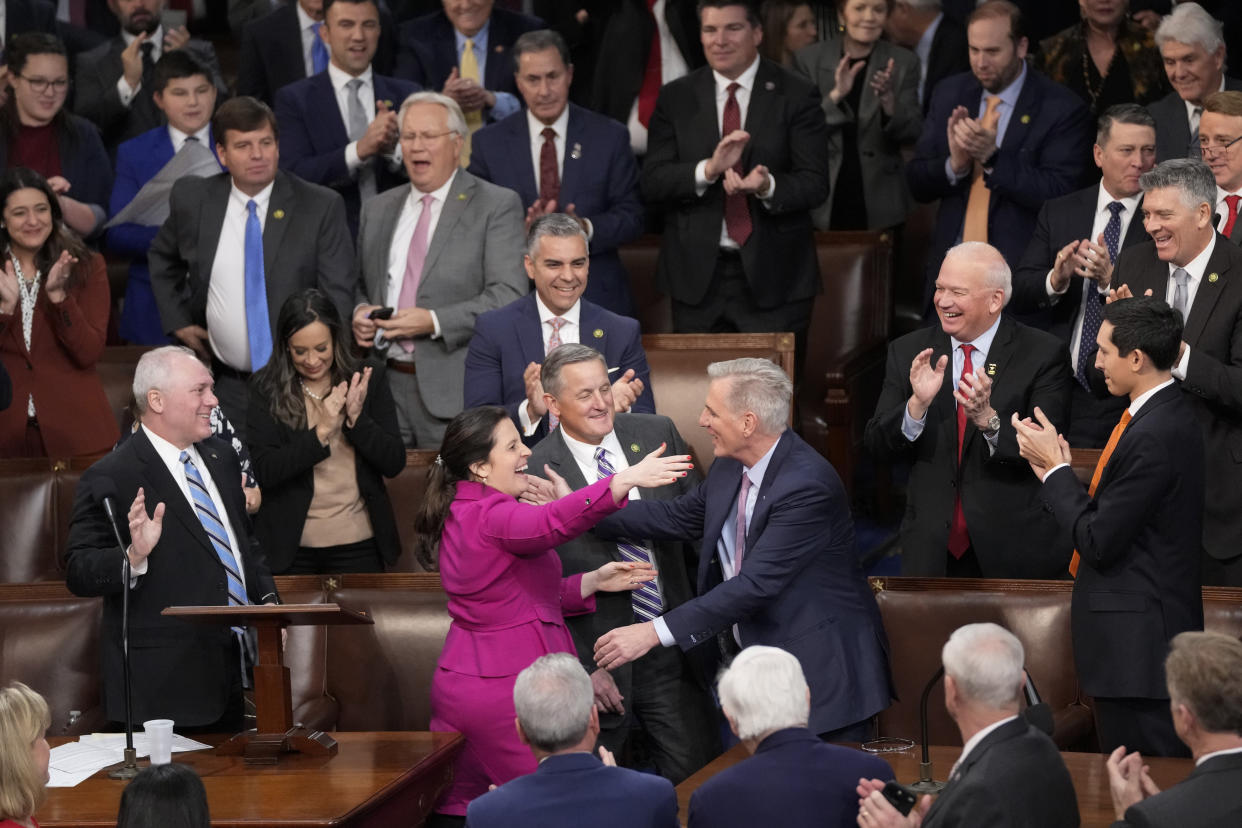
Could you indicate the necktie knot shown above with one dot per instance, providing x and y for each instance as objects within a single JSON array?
[
  {"x": 315, "y": 27},
  {"x": 549, "y": 134},
  {"x": 1181, "y": 277},
  {"x": 252, "y": 207},
  {"x": 1116, "y": 208},
  {"x": 147, "y": 49},
  {"x": 427, "y": 201},
  {"x": 732, "y": 88},
  {"x": 557, "y": 323},
  {"x": 967, "y": 350},
  {"x": 191, "y": 138},
  {"x": 992, "y": 114},
  {"x": 185, "y": 457},
  {"x": 1232, "y": 201},
  {"x": 354, "y": 85}
]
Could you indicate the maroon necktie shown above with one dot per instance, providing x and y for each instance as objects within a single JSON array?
[
  {"x": 737, "y": 211},
  {"x": 549, "y": 175},
  {"x": 739, "y": 544},
  {"x": 1232, "y": 201},
  {"x": 653, "y": 75},
  {"x": 959, "y": 538}
]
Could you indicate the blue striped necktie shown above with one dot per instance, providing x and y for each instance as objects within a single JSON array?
[
  {"x": 205, "y": 508},
  {"x": 646, "y": 599}
]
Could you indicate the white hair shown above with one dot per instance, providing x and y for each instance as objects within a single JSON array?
[
  {"x": 758, "y": 386},
  {"x": 154, "y": 369},
  {"x": 553, "y": 699},
  {"x": 1190, "y": 24},
  {"x": 996, "y": 273},
  {"x": 456, "y": 120},
  {"x": 985, "y": 661},
  {"x": 764, "y": 690}
]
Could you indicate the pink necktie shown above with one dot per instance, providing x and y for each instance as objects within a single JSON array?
[
  {"x": 554, "y": 341},
  {"x": 414, "y": 260},
  {"x": 739, "y": 545}
]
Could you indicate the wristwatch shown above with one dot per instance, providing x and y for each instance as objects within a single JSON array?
[{"x": 993, "y": 425}]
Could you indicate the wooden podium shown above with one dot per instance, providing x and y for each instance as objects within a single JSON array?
[{"x": 276, "y": 732}]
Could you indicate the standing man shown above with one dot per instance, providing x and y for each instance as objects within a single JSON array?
[
  {"x": 559, "y": 157},
  {"x": 113, "y": 83},
  {"x": 662, "y": 694},
  {"x": 1136, "y": 531},
  {"x": 236, "y": 245},
  {"x": 997, "y": 143},
  {"x": 1219, "y": 132},
  {"x": 189, "y": 544},
  {"x": 1068, "y": 266},
  {"x": 777, "y": 565},
  {"x": 1194, "y": 57},
  {"x": 339, "y": 127},
  {"x": 1196, "y": 270},
  {"x": 948, "y": 392},
  {"x": 735, "y": 155},
  {"x": 510, "y": 343},
  {"x": 939, "y": 42},
  {"x": 438, "y": 254}
]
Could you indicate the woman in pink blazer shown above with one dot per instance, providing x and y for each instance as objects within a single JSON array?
[{"x": 506, "y": 595}]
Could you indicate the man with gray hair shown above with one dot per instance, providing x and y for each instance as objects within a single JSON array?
[
  {"x": 557, "y": 718},
  {"x": 777, "y": 564},
  {"x": 973, "y": 508},
  {"x": 1190, "y": 42},
  {"x": 433, "y": 257},
  {"x": 1197, "y": 271},
  {"x": 1009, "y": 771},
  {"x": 767, "y": 702},
  {"x": 510, "y": 343}
]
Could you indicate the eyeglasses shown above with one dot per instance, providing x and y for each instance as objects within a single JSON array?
[
  {"x": 40, "y": 85},
  {"x": 1209, "y": 147},
  {"x": 428, "y": 138}
]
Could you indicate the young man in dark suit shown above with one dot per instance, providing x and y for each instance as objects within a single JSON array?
[{"x": 1137, "y": 531}]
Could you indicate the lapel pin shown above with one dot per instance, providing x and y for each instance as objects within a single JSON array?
[
  {"x": 769, "y": 86},
  {"x": 598, "y": 333},
  {"x": 576, "y": 152},
  {"x": 461, "y": 196},
  {"x": 991, "y": 369},
  {"x": 500, "y": 47},
  {"x": 278, "y": 214},
  {"x": 1213, "y": 277},
  {"x": 634, "y": 448},
  {"x": 1026, "y": 119}
]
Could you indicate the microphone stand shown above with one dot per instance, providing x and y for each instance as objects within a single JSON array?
[
  {"x": 926, "y": 784},
  {"x": 128, "y": 768}
]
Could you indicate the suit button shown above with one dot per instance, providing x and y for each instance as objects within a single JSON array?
[
  {"x": 953, "y": 484},
  {"x": 948, "y": 524}
]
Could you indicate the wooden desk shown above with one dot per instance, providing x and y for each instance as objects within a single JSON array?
[
  {"x": 376, "y": 780},
  {"x": 1095, "y": 804}
]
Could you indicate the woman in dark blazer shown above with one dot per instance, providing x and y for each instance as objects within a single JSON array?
[
  {"x": 871, "y": 105},
  {"x": 322, "y": 432}
]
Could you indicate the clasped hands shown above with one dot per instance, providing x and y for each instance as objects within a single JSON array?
[
  {"x": 969, "y": 141},
  {"x": 1129, "y": 780},
  {"x": 470, "y": 96},
  {"x": 342, "y": 405},
  {"x": 54, "y": 286},
  {"x": 726, "y": 156},
  {"x": 1084, "y": 258},
  {"x": 973, "y": 392}
]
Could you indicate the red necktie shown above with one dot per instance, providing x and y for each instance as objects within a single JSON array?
[
  {"x": 737, "y": 211},
  {"x": 1099, "y": 472},
  {"x": 1232, "y": 201},
  {"x": 653, "y": 75},
  {"x": 959, "y": 538},
  {"x": 549, "y": 174}
]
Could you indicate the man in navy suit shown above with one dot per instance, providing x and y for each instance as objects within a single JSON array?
[
  {"x": 562, "y": 158},
  {"x": 1137, "y": 532},
  {"x": 510, "y": 343},
  {"x": 1069, "y": 263},
  {"x": 810, "y": 783},
  {"x": 556, "y": 716},
  {"x": 784, "y": 572},
  {"x": 339, "y": 128},
  {"x": 185, "y": 94},
  {"x": 1009, "y": 128}
]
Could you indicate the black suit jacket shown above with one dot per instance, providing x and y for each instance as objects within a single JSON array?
[
  {"x": 788, "y": 136},
  {"x": 22, "y": 16},
  {"x": 1014, "y": 777},
  {"x": 1211, "y": 796},
  {"x": 1012, "y": 534},
  {"x": 1213, "y": 383},
  {"x": 1173, "y": 124},
  {"x": 271, "y": 52},
  {"x": 1139, "y": 538},
  {"x": 285, "y": 458},
  {"x": 427, "y": 49},
  {"x": 949, "y": 55},
  {"x": 180, "y": 669}
]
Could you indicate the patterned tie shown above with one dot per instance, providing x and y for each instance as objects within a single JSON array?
[
  {"x": 258, "y": 323},
  {"x": 474, "y": 120},
  {"x": 737, "y": 210},
  {"x": 975, "y": 227},
  {"x": 646, "y": 599},
  {"x": 319, "y": 50},
  {"x": 1092, "y": 300},
  {"x": 414, "y": 260},
  {"x": 1232, "y": 201},
  {"x": 1099, "y": 472},
  {"x": 1180, "y": 295},
  {"x": 549, "y": 175},
  {"x": 205, "y": 509},
  {"x": 959, "y": 537},
  {"x": 148, "y": 64},
  {"x": 653, "y": 74},
  {"x": 1193, "y": 151},
  {"x": 554, "y": 342},
  {"x": 739, "y": 541},
  {"x": 357, "y": 126}
]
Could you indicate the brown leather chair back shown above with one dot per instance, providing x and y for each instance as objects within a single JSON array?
[
  {"x": 639, "y": 258},
  {"x": 1222, "y": 610},
  {"x": 28, "y": 509},
  {"x": 116, "y": 371},
  {"x": 406, "y": 493}
]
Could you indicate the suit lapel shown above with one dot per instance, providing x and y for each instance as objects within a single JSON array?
[
  {"x": 459, "y": 196},
  {"x": 499, "y": 67},
  {"x": 159, "y": 482},
  {"x": 331, "y": 129},
  {"x": 519, "y": 157},
  {"x": 562, "y": 461},
  {"x": 1214, "y": 281},
  {"x": 530, "y": 331},
  {"x": 575, "y": 152},
  {"x": 704, "y": 125},
  {"x": 591, "y": 329},
  {"x": 1023, "y": 115},
  {"x": 218, "y": 470},
  {"x": 759, "y": 111},
  {"x": 210, "y": 222},
  {"x": 759, "y": 517},
  {"x": 377, "y": 289},
  {"x": 1136, "y": 232},
  {"x": 868, "y": 104},
  {"x": 278, "y": 207}
]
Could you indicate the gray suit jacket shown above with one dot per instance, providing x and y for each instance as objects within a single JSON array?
[
  {"x": 879, "y": 139},
  {"x": 474, "y": 264},
  {"x": 305, "y": 244}
]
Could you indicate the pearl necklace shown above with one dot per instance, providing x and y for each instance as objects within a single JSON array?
[{"x": 310, "y": 393}]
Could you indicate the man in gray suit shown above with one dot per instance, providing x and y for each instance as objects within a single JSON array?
[
  {"x": 433, "y": 257},
  {"x": 219, "y": 267},
  {"x": 661, "y": 693}
]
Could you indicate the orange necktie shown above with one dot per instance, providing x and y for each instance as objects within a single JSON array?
[
  {"x": 1099, "y": 472},
  {"x": 975, "y": 227}
]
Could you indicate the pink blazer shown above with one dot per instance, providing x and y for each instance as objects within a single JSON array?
[{"x": 507, "y": 598}]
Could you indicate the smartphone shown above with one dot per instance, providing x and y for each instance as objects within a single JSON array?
[
  {"x": 381, "y": 313},
  {"x": 172, "y": 19},
  {"x": 900, "y": 797}
]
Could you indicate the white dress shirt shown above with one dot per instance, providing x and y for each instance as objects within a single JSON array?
[
  {"x": 672, "y": 67},
  {"x": 911, "y": 427},
  {"x": 226, "y": 290},
  {"x": 156, "y": 39},
  {"x": 1195, "y": 269},
  {"x": 399, "y": 251},
  {"x": 178, "y": 138},
  {"x": 570, "y": 333},
  {"x": 1216, "y": 753}
]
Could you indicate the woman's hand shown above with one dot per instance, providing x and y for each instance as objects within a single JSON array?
[
  {"x": 882, "y": 86},
  {"x": 10, "y": 294},
  {"x": 844, "y": 77},
  {"x": 651, "y": 472},
  {"x": 356, "y": 395},
  {"x": 333, "y": 414},
  {"x": 617, "y": 576},
  {"x": 58, "y": 276}
]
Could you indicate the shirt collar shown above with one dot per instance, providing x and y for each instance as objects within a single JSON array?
[
  {"x": 1191, "y": 107},
  {"x": 536, "y": 126},
  {"x": 1142, "y": 399},
  {"x": 170, "y": 454},
  {"x": 571, "y": 316},
  {"x": 440, "y": 194},
  {"x": 340, "y": 77},
  {"x": 260, "y": 199},
  {"x": 1221, "y": 193},
  {"x": 479, "y": 39},
  {"x": 974, "y": 741},
  {"x": 1216, "y": 753},
  {"x": 1009, "y": 95},
  {"x": 923, "y": 47},
  {"x": 584, "y": 453},
  {"x": 982, "y": 342},
  {"x": 178, "y": 137},
  {"x": 1198, "y": 264},
  {"x": 305, "y": 21},
  {"x": 746, "y": 80},
  {"x": 1105, "y": 198},
  {"x": 757, "y": 471}
]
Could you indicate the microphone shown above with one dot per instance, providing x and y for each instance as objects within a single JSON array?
[
  {"x": 927, "y": 785},
  {"x": 105, "y": 493},
  {"x": 1037, "y": 712}
]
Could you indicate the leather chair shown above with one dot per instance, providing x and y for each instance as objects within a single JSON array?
[
  {"x": 654, "y": 308},
  {"x": 406, "y": 493},
  {"x": 28, "y": 509},
  {"x": 116, "y": 371}
]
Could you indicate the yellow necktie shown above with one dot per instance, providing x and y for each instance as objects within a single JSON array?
[
  {"x": 975, "y": 227},
  {"x": 1113, "y": 439},
  {"x": 474, "y": 120}
]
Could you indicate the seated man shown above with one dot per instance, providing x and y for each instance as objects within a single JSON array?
[
  {"x": 556, "y": 716},
  {"x": 1007, "y": 766},
  {"x": 1204, "y": 673},
  {"x": 768, "y": 703},
  {"x": 509, "y": 343}
]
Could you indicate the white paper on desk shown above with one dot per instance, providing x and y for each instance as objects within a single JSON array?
[
  {"x": 116, "y": 741},
  {"x": 150, "y": 206},
  {"x": 71, "y": 763}
]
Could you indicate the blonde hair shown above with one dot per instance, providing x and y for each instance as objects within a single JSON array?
[{"x": 24, "y": 718}]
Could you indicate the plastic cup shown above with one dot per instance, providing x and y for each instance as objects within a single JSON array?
[{"x": 159, "y": 740}]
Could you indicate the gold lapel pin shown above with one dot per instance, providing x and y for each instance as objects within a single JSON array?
[
  {"x": 461, "y": 196},
  {"x": 991, "y": 369},
  {"x": 598, "y": 333},
  {"x": 1213, "y": 277},
  {"x": 576, "y": 152},
  {"x": 500, "y": 47},
  {"x": 634, "y": 448},
  {"x": 278, "y": 214},
  {"x": 1026, "y": 119}
]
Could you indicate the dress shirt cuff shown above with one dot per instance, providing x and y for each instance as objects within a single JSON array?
[
  {"x": 701, "y": 181},
  {"x": 590, "y": 229},
  {"x": 1179, "y": 370},
  {"x": 435, "y": 321},
  {"x": 662, "y": 630},
  {"x": 1053, "y": 293},
  {"x": 949, "y": 173},
  {"x": 134, "y": 569},
  {"x": 352, "y": 161},
  {"x": 910, "y": 427},
  {"x": 766, "y": 200},
  {"x": 506, "y": 105},
  {"x": 992, "y": 439},
  {"x": 528, "y": 427},
  {"x": 126, "y": 92},
  {"x": 1050, "y": 471}
]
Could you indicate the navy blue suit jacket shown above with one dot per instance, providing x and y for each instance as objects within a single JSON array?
[
  {"x": 508, "y": 339},
  {"x": 793, "y": 773},
  {"x": 83, "y": 161},
  {"x": 313, "y": 137},
  {"x": 427, "y": 49},
  {"x": 598, "y": 176},
  {"x": 1043, "y": 156},
  {"x": 565, "y": 789},
  {"x": 800, "y": 588}
]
